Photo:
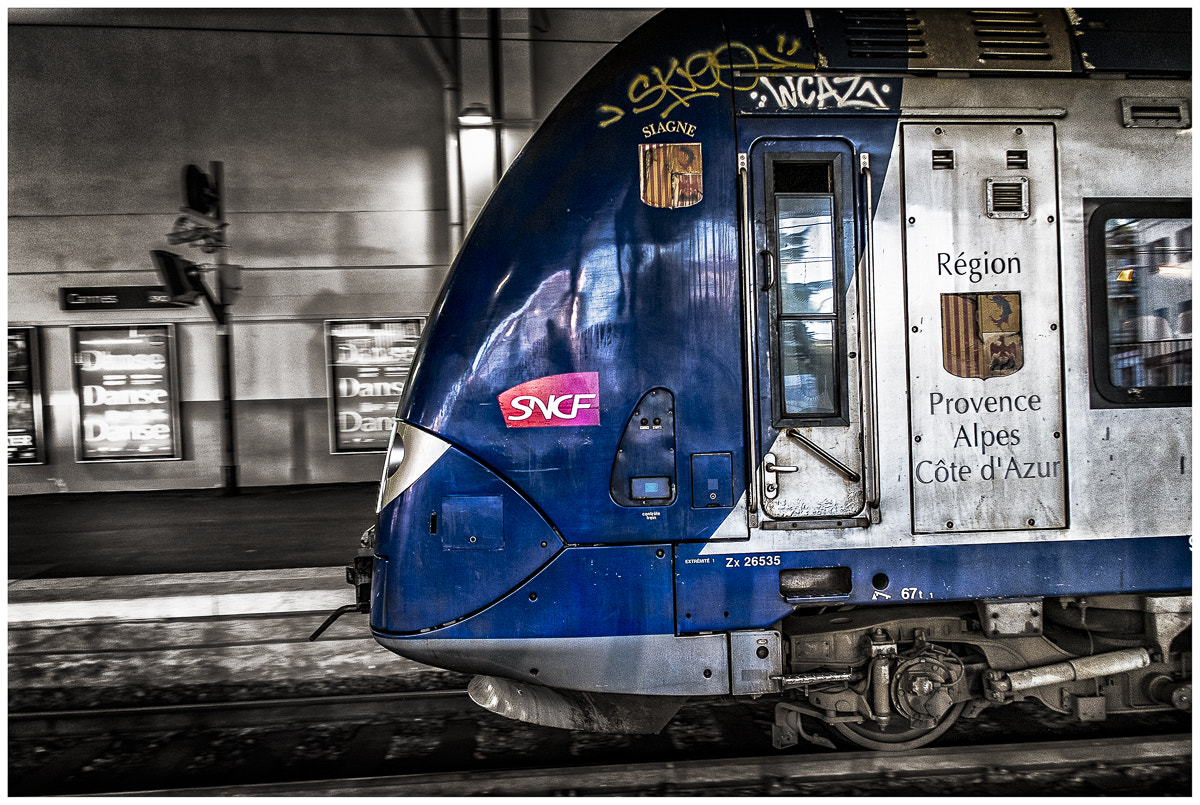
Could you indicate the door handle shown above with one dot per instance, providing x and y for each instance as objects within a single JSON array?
[
  {"x": 770, "y": 481},
  {"x": 769, "y": 259}
]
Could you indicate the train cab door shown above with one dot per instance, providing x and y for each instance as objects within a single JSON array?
[{"x": 806, "y": 398}]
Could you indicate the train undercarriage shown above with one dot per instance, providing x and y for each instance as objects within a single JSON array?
[{"x": 896, "y": 678}]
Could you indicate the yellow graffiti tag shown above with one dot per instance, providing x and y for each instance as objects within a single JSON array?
[{"x": 700, "y": 74}]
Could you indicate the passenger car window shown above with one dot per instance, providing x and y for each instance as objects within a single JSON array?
[{"x": 1141, "y": 282}]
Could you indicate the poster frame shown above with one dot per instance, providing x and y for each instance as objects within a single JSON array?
[
  {"x": 332, "y": 399},
  {"x": 33, "y": 349},
  {"x": 173, "y": 407}
]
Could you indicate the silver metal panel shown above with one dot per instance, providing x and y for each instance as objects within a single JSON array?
[
  {"x": 755, "y": 657},
  {"x": 657, "y": 664},
  {"x": 984, "y": 338},
  {"x": 573, "y": 710}
]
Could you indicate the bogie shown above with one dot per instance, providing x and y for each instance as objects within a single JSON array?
[{"x": 898, "y": 677}]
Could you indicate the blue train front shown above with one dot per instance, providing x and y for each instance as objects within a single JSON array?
[{"x": 776, "y": 365}]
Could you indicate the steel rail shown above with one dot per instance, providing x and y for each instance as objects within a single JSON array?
[{"x": 706, "y": 775}]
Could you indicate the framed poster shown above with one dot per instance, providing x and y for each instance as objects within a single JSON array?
[
  {"x": 25, "y": 445},
  {"x": 126, "y": 388},
  {"x": 368, "y": 361}
]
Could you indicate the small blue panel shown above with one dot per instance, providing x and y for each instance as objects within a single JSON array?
[
  {"x": 712, "y": 480},
  {"x": 472, "y": 522},
  {"x": 658, "y": 488}
]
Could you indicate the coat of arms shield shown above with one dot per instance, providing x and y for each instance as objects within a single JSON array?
[
  {"x": 981, "y": 334},
  {"x": 671, "y": 174}
]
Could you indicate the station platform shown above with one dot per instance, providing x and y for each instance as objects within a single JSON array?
[
  {"x": 191, "y": 531},
  {"x": 184, "y": 596}
]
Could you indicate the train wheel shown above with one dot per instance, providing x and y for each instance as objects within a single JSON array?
[{"x": 899, "y": 734}]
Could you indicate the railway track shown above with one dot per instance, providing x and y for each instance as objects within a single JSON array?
[
  {"x": 923, "y": 770},
  {"x": 421, "y": 743}
]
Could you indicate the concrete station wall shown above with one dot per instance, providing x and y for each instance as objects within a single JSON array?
[{"x": 339, "y": 190}]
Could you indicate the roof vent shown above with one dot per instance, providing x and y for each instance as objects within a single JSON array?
[
  {"x": 883, "y": 34},
  {"x": 1010, "y": 35}
]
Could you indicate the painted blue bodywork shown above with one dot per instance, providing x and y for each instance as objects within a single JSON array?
[
  {"x": 568, "y": 271},
  {"x": 725, "y": 588},
  {"x": 427, "y": 548}
]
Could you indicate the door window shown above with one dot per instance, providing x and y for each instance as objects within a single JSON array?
[{"x": 807, "y": 329}]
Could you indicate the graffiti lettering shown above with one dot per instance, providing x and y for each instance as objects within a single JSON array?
[
  {"x": 700, "y": 75},
  {"x": 821, "y": 92}
]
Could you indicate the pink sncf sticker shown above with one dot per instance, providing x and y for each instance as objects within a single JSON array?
[{"x": 556, "y": 401}]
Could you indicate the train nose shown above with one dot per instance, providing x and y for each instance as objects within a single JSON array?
[{"x": 452, "y": 535}]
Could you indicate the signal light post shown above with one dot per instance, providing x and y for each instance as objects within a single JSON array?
[{"x": 202, "y": 224}]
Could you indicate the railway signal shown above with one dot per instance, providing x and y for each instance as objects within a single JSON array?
[
  {"x": 202, "y": 224},
  {"x": 180, "y": 278}
]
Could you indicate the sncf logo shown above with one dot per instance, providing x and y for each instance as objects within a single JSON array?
[{"x": 555, "y": 401}]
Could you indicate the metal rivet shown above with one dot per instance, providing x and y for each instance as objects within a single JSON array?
[{"x": 533, "y": 596}]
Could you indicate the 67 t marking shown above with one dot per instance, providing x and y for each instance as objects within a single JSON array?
[{"x": 906, "y": 593}]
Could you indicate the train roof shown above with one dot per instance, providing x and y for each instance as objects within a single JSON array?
[{"x": 1142, "y": 41}]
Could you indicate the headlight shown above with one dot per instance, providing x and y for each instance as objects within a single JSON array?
[{"x": 411, "y": 452}]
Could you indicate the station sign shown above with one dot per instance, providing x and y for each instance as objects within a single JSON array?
[
  {"x": 369, "y": 361},
  {"x": 125, "y": 385},
  {"x": 25, "y": 445},
  {"x": 114, "y": 297}
]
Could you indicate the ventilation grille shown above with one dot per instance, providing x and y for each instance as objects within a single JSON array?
[
  {"x": 943, "y": 160},
  {"x": 1010, "y": 36},
  {"x": 1156, "y": 113},
  {"x": 1008, "y": 198},
  {"x": 884, "y": 35}
]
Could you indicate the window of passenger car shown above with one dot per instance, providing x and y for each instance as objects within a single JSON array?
[{"x": 1140, "y": 289}]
